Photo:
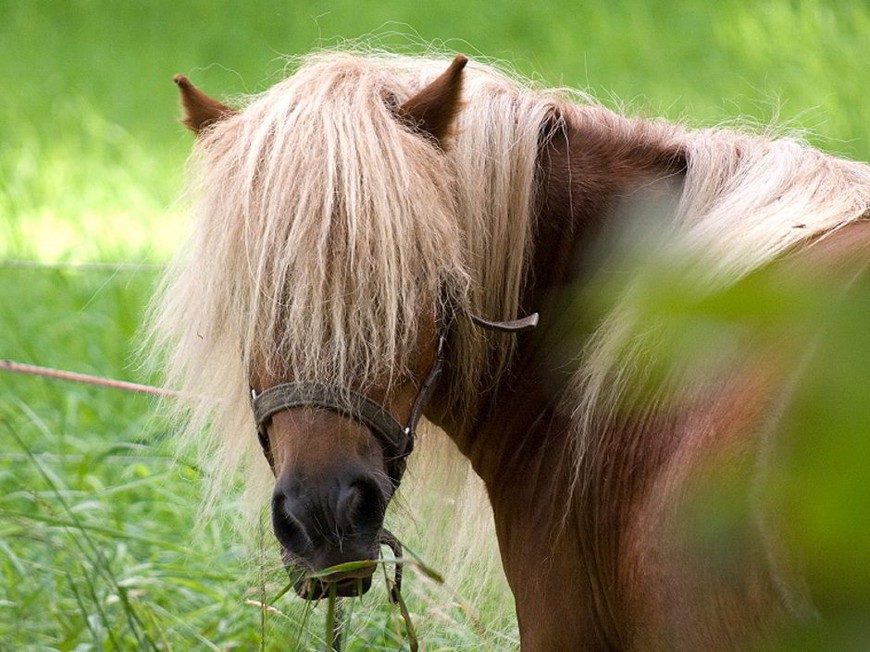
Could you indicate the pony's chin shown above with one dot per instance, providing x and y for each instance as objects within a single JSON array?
[{"x": 310, "y": 588}]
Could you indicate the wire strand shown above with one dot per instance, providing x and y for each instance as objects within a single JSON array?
[{"x": 72, "y": 376}]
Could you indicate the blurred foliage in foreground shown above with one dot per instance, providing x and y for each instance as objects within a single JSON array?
[{"x": 800, "y": 490}]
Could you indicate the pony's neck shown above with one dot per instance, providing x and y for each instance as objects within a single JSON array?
[
  {"x": 518, "y": 440},
  {"x": 588, "y": 170}
]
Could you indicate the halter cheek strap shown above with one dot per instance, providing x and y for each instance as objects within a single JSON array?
[{"x": 513, "y": 326}]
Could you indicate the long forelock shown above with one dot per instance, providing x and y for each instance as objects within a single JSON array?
[{"x": 347, "y": 224}]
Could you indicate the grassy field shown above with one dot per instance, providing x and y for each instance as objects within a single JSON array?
[{"x": 98, "y": 544}]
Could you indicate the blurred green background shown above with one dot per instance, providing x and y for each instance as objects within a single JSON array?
[
  {"x": 94, "y": 515},
  {"x": 91, "y": 144}
]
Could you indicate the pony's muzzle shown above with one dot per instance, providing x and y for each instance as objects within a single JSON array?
[{"x": 332, "y": 522}]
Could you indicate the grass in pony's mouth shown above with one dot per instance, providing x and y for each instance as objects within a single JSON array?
[
  {"x": 346, "y": 580},
  {"x": 315, "y": 585},
  {"x": 315, "y": 589}
]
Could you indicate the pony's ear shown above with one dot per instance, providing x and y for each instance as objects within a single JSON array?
[
  {"x": 433, "y": 109},
  {"x": 200, "y": 110}
]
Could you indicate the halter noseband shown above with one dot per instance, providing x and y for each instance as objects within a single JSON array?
[{"x": 397, "y": 440}]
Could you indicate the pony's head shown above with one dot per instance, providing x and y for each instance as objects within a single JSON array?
[{"x": 328, "y": 263}]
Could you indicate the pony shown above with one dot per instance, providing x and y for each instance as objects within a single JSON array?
[{"x": 371, "y": 238}]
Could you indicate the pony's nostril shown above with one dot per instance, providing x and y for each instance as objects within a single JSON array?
[
  {"x": 288, "y": 529},
  {"x": 362, "y": 504},
  {"x": 349, "y": 498}
]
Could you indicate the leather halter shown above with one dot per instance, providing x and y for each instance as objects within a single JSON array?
[{"x": 397, "y": 440}]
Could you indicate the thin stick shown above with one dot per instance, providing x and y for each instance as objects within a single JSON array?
[
  {"x": 47, "y": 372},
  {"x": 409, "y": 626},
  {"x": 81, "y": 266},
  {"x": 337, "y": 625}
]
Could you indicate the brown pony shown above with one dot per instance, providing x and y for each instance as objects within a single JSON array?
[{"x": 356, "y": 227}]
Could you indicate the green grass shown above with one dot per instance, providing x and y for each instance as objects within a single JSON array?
[{"x": 97, "y": 522}]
